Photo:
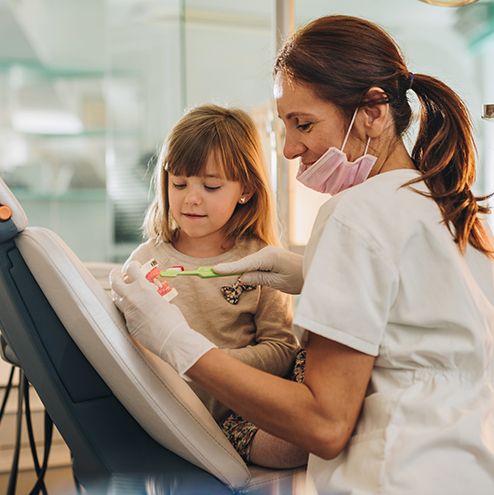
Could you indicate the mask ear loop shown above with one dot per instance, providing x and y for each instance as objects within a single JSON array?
[
  {"x": 348, "y": 133},
  {"x": 349, "y": 128},
  {"x": 367, "y": 145}
]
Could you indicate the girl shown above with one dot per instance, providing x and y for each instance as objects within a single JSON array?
[
  {"x": 214, "y": 205},
  {"x": 397, "y": 293}
]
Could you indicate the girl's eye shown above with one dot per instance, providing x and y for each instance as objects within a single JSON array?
[
  {"x": 209, "y": 188},
  {"x": 178, "y": 186}
]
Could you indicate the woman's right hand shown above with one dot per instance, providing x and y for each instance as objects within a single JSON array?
[
  {"x": 272, "y": 266},
  {"x": 158, "y": 325}
]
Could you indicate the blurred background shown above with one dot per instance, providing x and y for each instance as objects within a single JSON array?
[{"x": 89, "y": 89}]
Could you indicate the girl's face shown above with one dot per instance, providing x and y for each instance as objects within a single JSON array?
[
  {"x": 202, "y": 206},
  {"x": 312, "y": 125}
]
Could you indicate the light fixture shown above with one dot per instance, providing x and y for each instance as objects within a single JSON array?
[
  {"x": 46, "y": 121},
  {"x": 488, "y": 113},
  {"x": 449, "y": 3}
]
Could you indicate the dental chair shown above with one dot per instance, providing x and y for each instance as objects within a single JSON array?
[{"x": 131, "y": 423}]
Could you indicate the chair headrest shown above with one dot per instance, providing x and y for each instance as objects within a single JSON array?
[{"x": 17, "y": 215}]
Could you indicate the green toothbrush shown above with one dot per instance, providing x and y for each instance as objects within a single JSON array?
[{"x": 203, "y": 272}]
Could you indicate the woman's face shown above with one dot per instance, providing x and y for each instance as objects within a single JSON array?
[{"x": 312, "y": 125}]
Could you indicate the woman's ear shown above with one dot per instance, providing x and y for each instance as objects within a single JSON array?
[
  {"x": 374, "y": 115},
  {"x": 247, "y": 193}
]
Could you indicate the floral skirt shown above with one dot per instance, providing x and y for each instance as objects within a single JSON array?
[{"x": 240, "y": 432}]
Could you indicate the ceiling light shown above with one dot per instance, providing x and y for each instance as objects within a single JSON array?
[
  {"x": 46, "y": 122},
  {"x": 449, "y": 3}
]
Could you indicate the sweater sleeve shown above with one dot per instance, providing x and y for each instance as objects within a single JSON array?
[
  {"x": 143, "y": 253},
  {"x": 276, "y": 346}
]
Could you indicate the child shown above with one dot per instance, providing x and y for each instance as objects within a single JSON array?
[{"x": 213, "y": 205}]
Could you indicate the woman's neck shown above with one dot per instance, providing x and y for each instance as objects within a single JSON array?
[{"x": 394, "y": 157}]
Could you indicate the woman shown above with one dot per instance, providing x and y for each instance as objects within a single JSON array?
[{"x": 397, "y": 286}]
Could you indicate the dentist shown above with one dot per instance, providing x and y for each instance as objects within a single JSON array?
[{"x": 396, "y": 287}]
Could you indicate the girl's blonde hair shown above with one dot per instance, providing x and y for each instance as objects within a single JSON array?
[{"x": 232, "y": 135}]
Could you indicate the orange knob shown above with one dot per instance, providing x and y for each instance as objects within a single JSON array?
[{"x": 5, "y": 213}]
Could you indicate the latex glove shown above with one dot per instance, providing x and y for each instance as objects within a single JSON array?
[
  {"x": 155, "y": 323},
  {"x": 272, "y": 266}
]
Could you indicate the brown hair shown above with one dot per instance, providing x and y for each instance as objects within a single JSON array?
[
  {"x": 233, "y": 136},
  {"x": 341, "y": 58}
]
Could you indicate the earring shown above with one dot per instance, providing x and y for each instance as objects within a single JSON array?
[{"x": 242, "y": 199}]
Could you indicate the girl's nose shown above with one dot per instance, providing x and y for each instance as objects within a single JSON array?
[
  {"x": 293, "y": 147},
  {"x": 193, "y": 196}
]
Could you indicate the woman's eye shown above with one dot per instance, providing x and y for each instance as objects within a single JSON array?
[{"x": 304, "y": 127}]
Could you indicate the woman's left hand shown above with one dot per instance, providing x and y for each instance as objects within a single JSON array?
[
  {"x": 158, "y": 325},
  {"x": 272, "y": 266}
]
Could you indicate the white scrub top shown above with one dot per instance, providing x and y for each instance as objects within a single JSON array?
[{"x": 384, "y": 276}]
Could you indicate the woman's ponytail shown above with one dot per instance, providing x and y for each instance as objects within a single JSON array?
[{"x": 445, "y": 154}]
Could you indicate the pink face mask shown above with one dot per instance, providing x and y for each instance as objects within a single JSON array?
[{"x": 333, "y": 172}]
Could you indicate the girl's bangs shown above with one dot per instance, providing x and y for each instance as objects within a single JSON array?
[
  {"x": 230, "y": 159},
  {"x": 189, "y": 157},
  {"x": 188, "y": 161},
  {"x": 193, "y": 162}
]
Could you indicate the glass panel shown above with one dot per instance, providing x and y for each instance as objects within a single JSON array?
[
  {"x": 52, "y": 119},
  {"x": 94, "y": 90},
  {"x": 165, "y": 56},
  {"x": 52, "y": 150},
  {"x": 143, "y": 99},
  {"x": 228, "y": 53}
]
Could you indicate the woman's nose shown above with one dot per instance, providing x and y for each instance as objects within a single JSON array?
[{"x": 293, "y": 147}]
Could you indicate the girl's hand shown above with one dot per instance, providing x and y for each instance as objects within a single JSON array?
[
  {"x": 155, "y": 323},
  {"x": 272, "y": 266}
]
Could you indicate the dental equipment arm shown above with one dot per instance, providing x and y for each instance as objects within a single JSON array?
[
  {"x": 272, "y": 266},
  {"x": 155, "y": 323}
]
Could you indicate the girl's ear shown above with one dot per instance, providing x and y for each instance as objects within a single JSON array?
[
  {"x": 374, "y": 117},
  {"x": 247, "y": 193}
]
